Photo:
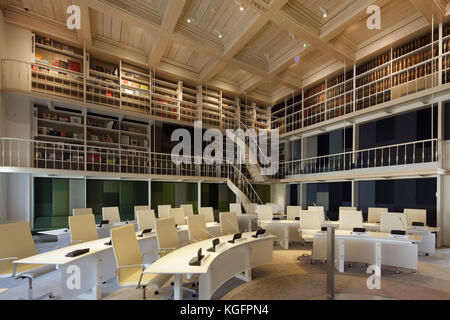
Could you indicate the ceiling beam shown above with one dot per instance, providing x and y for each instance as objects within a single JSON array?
[
  {"x": 354, "y": 13},
  {"x": 85, "y": 33},
  {"x": 211, "y": 69},
  {"x": 251, "y": 84},
  {"x": 430, "y": 8},
  {"x": 172, "y": 15}
]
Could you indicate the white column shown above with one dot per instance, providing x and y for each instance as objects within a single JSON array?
[{"x": 199, "y": 195}]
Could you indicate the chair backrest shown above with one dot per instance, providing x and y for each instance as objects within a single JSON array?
[
  {"x": 207, "y": 213},
  {"x": 16, "y": 242},
  {"x": 374, "y": 214},
  {"x": 145, "y": 219},
  {"x": 265, "y": 213},
  {"x": 228, "y": 223},
  {"x": 188, "y": 209},
  {"x": 139, "y": 208},
  {"x": 111, "y": 214},
  {"x": 350, "y": 211},
  {"x": 350, "y": 219},
  {"x": 81, "y": 211},
  {"x": 197, "y": 228},
  {"x": 236, "y": 208},
  {"x": 293, "y": 212},
  {"x": 177, "y": 214},
  {"x": 126, "y": 251},
  {"x": 393, "y": 221},
  {"x": 82, "y": 228},
  {"x": 163, "y": 211},
  {"x": 347, "y": 209},
  {"x": 416, "y": 215},
  {"x": 167, "y": 234},
  {"x": 250, "y": 208},
  {"x": 310, "y": 220},
  {"x": 319, "y": 209}
]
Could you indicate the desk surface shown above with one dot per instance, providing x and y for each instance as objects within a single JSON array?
[
  {"x": 57, "y": 257},
  {"x": 59, "y": 232},
  {"x": 177, "y": 262},
  {"x": 369, "y": 235}
]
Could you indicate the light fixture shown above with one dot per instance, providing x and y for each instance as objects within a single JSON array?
[
  {"x": 305, "y": 45},
  {"x": 219, "y": 34},
  {"x": 324, "y": 12},
  {"x": 241, "y": 7},
  {"x": 190, "y": 19},
  {"x": 267, "y": 56},
  {"x": 293, "y": 37}
]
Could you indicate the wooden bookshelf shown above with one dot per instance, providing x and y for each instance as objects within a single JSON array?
[
  {"x": 188, "y": 104},
  {"x": 211, "y": 108},
  {"x": 165, "y": 103},
  {"x": 135, "y": 88},
  {"x": 229, "y": 113},
  {"x": 314, "y": 104},
  {"x": 294, "y": 113}
]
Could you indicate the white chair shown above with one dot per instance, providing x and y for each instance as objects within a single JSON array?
[
  {"x": 265, "y": 213},
  {"x": 350, "y": 219},
  {"x": 228, "y": 223},
  {"x": 197, "y": 228},
  {"x": 82, "y": 228},
  {"x": 81, "y": 211},
  {"x": 236, "y": 208},
  {"x": 140, "y": 208},
  {"x": 310, "y": 223},
  {"x": 207, "y": 213},
  {"x": 374, "y": 215},
  {"x": 163, "y": 211},
  {"x": 293, "y": 212},
  {"x": 129, "y": 261},
  {"x": 319, "y": 209},
  {"x": 416, "y": 215},
  {"x": 111, "y": 214},
  {"x": 393, "y": 221},
  {"x": 145, "y": 219},
  {"x": 168, "y": 240},
  {"x": 177, "y": 214},
  {"x": 188, "y": 209},
  {"x": 17, "y": 243},
  {"x": 347, "y": 209}
]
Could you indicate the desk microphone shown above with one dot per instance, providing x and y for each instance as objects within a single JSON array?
[
  {"x": 214, "y": 243},
  {"x": 103, "y": 222}
]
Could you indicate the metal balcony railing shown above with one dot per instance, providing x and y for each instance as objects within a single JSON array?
[{"x": 417, "y": 152}]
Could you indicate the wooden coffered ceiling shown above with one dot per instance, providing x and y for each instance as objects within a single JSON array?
[{"x": 259, "y": 49}]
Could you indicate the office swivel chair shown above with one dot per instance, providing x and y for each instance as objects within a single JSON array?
[
  {"x": 145, "y": 219},
  {"x": 310, "y": 223},
  {"x": 163, "y": 211},
  {"x": 374, "y": 214},
  {"x": 416, "y": 215},
  {"x": 129, "y": 261},
  {"x": 82, "y": 228},
  {"x": 17, "y": 243},
  {"x": 228, "y": 223},
  {"x": 207, "y": 213},
  {"x": 111, "y": 214},
  {"x": 265, "y": 212},
  {"x": 139, "y": 208},
  {"x": 350, "y": 219},
  {"x": 81, "y": 211},
  {"x": 236, "y": 208},
  {"x": 178, "y": 215},
  {"x": 168, "y": 241},
  {"x": 393, "y": 221},
  {"x": 293, "y": 212},
  {"x": 188, "y": 209},
  {"x": 197, "y": 228}
]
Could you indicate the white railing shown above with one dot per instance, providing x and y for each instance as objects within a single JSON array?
[{"x": 417, "y": 152}]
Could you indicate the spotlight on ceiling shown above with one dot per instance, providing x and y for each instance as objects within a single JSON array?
[
  {"x": 241, "y": 7},
  {"x": 190, "y": 20},
  {"x": 219, "y": 34},
  {"x": 324, "y": 12}
]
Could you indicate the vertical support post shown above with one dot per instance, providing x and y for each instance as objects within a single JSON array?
[
  {"x": 150, "y": 193},
  {"x": 199, "y": 195},
  {"x": 330, "y": 261}
]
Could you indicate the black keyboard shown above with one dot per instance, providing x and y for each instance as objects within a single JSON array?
[{"x": 77, "y": 253}]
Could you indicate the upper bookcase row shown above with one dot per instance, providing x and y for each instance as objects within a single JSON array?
[
  {"x": 402, "y": 70},
  {"x": 73, "y": 73}
]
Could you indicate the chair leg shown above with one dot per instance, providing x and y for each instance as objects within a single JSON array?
[
  {"x": 144, "y": 295},
  {"x": 30, "y": 289}
]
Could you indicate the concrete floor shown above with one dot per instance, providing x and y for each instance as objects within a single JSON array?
[{"x": 286, "y": 279}]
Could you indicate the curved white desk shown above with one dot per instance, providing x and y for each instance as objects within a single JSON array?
[
  {"x": 216, "y": 267},
  {"x": 376, "y": 248},
  {"x": 99, "y": 264}
]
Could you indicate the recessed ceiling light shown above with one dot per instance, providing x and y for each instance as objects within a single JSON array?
[
  {"x": 241, "y": 7},
  {"x": 219, "y": 34},
  {"x": 190, "y": 19},
  {"x": 324, "y": 12}
]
